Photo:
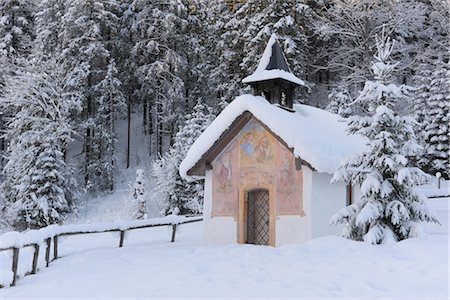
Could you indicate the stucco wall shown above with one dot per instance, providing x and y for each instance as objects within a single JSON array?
[
  {"x": 326, "y": 200},
  {"x": 217, "y": 230},
  {"x": 297, "y": 229},
  {"x": 292, "y": 229}
]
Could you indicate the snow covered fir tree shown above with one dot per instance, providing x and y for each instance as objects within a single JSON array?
[
  {"x": 131, "y": 74},
  {"x": 181, "y": 196},
  {"x": 389, "y": 209},
  {"x": 37, "y": 186}
]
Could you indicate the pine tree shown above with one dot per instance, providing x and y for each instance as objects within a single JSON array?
[
  {"x": 420, "y": 101},
  {"x": 340, "y": 102},
  {"x": 16, "y": 39},
  {"x": 389, "y": 207},
  {"x": 16, "y": 29},
  {"x": 218, "y": 85},
  {"x": 37, "y": 187},
  {"x": 436, "y": 122},
  {"x": 89, "y": 29},
  {"x": 181, "y": 196},
  {"x": 111, "y": 103},
  {"x": 49, "y": 27},
  {"x": 160, "y": 52}
]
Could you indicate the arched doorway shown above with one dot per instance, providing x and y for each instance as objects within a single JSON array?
[{"x": 258, "y": 217}]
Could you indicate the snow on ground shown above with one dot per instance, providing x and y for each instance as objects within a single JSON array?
[
  {"x": 109, "y": 208},
  {"x": 430, "y": 189},
  {"x": 148, "y": 266}
]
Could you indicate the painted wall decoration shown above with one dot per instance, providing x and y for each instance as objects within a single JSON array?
[
  {"x": 288, "y": 191},
  {"x": 224, "y": 183},
  {"x": 255, "y": 158}
]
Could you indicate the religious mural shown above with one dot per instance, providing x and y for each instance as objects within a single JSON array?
[
  {"x": 288, "y": 183},
  {"x": 255, "y": 158},
  {"x": 224, "y": 183}
]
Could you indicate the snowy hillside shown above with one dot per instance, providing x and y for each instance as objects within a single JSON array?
[{"x": 148, "y": 266}]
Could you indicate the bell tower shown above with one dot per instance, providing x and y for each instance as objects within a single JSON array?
[{"x": 273, "y": 78}]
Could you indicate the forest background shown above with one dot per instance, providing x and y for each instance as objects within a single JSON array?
[{"x": 79, "y": 78}]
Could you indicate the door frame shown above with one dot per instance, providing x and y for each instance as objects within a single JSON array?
[{"x": 243, "y": 209}]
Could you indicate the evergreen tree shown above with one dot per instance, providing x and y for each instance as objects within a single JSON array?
[
  {"x": 340, "y": 102},
  {"x": 49, "y": 27},
  {"x": 89, "y": 28},
  {"x": 16, "y": 38},
  {"x": 218, "y": 85},
  {"x": 420, "y": 101},
  {"x": 436, "y": 122},
  {"x": 161, "y": 55},
  {"x": 181, "y": 196},
  {"x": 37, "y": 187},
  {"x": 389, "y": 207},
  {"x": 16, "y": 29},
  {"x": 111, "y": 103}
]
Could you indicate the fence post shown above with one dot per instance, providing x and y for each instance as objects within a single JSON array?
[
  {"x": 35, "y": 259},
  {"x": 55, "y": 247},
  {"x": 47, "y": 251},
  {"x": 15, "y": 264},
  {"x": 174, "y": 230},
  {"x": 122, "y": 236}
]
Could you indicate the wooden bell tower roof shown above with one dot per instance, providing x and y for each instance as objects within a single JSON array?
[{"x": 272, "y": 78}]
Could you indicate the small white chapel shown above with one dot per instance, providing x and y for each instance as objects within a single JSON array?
[{"x": 267, "y": 163}]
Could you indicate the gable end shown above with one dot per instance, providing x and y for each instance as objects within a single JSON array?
[{"x": 204, "y": 162}]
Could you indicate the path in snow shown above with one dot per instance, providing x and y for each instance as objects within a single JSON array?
[{"x": 148, "y": 266}]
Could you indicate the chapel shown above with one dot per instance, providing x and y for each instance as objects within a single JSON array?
[{"x": 268, "y": 163}]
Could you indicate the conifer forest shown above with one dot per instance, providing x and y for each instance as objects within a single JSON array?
[{"x": 90, "y": 89}]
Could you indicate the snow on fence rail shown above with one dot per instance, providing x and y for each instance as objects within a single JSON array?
[{"x": 14, "y": 241}]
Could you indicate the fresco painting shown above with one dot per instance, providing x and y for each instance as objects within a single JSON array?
[
  {"x": 256, "y": 147},
  {"x": 288, "y": 190},
  {"x": 225, "y": 174},
  {"x": 253, "y": 159}
]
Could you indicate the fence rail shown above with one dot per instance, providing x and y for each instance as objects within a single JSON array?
[{"x": 73, "y": 230}]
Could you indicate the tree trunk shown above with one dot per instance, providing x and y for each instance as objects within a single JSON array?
[{"x": 128, "y": 130}]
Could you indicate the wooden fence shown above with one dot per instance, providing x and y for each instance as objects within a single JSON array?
[{"x": 48, "y": 243}]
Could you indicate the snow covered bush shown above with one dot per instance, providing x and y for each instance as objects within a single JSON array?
[
  {"x": 37, "y": 184},
  {"x": 179, "y": 195},
  {"x": 137, "y": 201},
  {"x": 389, "y": 208},
  {"x": 340, "y": 102}
]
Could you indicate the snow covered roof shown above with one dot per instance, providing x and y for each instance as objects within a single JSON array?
[
  {"x": 315, "y": 135},
  {"x": 273, "y": 65}
]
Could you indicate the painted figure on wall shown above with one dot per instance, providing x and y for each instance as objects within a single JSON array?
[
  {"x": 256, "y": 147},
  {"x": 247, "y": 143},
  {"x": 288, "y": 184},
  {"x": 286, "y": 174},
  {"x": 264, "y": 150},
  {"x": 225, "y": 182},
  {"x": 225, "y": 173}
]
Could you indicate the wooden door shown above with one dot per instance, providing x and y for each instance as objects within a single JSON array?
[{"x": 258, "y": 217}]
